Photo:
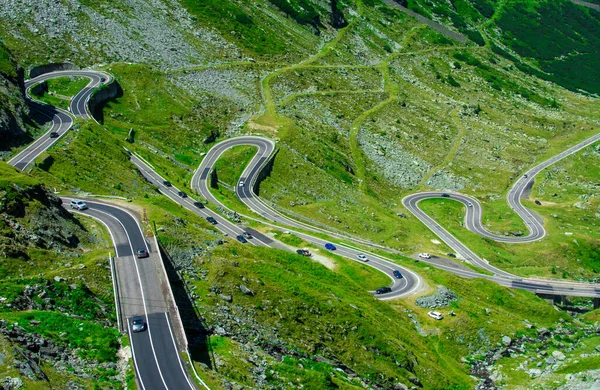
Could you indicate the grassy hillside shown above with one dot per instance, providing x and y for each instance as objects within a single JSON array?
[
  {"x": 56, "y": 291},
  {"x": 554, "y": 40},
  {"x": 366, "y": 110}
]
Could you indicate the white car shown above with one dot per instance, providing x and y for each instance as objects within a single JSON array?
[
  {"x": 425, "y": 255},
  {"x": 435, "y": 314},
  {"x": 241, "y": 183},
  {"x": 469, "y": 204},
  {"x": 78, "y": 204},
  {"x": 362, "y": 257}
]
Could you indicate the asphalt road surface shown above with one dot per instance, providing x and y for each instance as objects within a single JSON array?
[
  {"x": 407, "y": 285},
  {"x": 265, "y": 148},
  {"x": 404, "y": 286},
  {"x": 61, "y": 120},
  {"x": 156, "y": 357}
]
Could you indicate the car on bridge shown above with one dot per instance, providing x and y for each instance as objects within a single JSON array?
[
  {"x": 241, "y": 183},
  {"x": 397, "y": 274},
  {"x": 444, "y": 195},
  {"x": 166, "y": 183},
  {"x": 200, "y": 205},
  {"x": 469, "y": 204},
  {"x": 247, "y": 235},
  {"x": 182, "y": 194},
  {"x": 142, "y": 253},
  {"x": 54, "y": 134},
  {"x": 138, "y": 324},
  {"x": 241, "y": 239},
  {"x": 383, "y": 290},
  {"x": 211, "y": 220},
  {"x": 425, "y": 255},
  {"x": 330, "y": 246}
]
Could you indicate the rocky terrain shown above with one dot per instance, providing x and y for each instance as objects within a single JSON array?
[
  {"x": 13, "y": 110},
  {"x": 33, "y": 217},
  {"x": 541, "y": 355},
  {"x": 366, "y": 104}
]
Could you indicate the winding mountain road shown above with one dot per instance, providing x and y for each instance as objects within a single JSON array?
[
  {"x": 407, "y": 285},
  {"x": 61, "y": 120},
  {"x": 155, "y": 353},
  {"x": 473, "y": 216},
  {"x": 265, "y": 149},
  {"x": 245, "y": 190}
]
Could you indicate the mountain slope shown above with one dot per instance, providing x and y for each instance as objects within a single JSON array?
[{"x": 367, "y": 105}]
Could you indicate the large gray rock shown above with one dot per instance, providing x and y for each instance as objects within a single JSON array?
[
  {"x": 506, "y": 340},
  {"x": 226, "y": 298},
  {"x": 246, "y": 290},
  {"x": 535, "y": 372},
  {"x": 558, "y": 355}
]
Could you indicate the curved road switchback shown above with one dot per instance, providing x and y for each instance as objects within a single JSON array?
[
  {"x": 61, "y": 120},
  {"x": 407, "y": 285},
  {"x": 155, "y": 353},
  {"x": 473, "y": 215},
  {"x": 265, "y": 149}
]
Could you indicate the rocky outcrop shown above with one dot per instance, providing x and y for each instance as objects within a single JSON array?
[
  {"x": 33, "y": 350},
  {"x": 13, "y": 109},
  {"x": 441, "y": 298},
  {"x": 31, "y": 216}
]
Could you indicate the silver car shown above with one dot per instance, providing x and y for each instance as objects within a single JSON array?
[
  {"x": 138, "y": 324},
  {"x": 78, "y": 204}
]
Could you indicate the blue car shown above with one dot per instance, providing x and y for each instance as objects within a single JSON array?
[
  {"x": 330, "y": 246},
  {"x": 397, "y": 274}
]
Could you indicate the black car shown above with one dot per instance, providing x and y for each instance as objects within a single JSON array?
[
  {"x": 303, "y": 252},
  {"x": 445, "y": 195},
  {"x": 397, "y": 274},
  {"x": 141, "y": 253},
  {"x": 241, "y": 239},
  {"x": 167, "y": 183},
  {"x": 538, "y": 202},
  {"x": 451, "y": 255},
  {"x": 383, "y": 290},
  {"x": 200, "y": 205},
  {"x": 54, "y": 134},
  {"x": 211, "y": 220},
  {"x": 182, "y": 194},
  {"x": 137, "y": 324}
]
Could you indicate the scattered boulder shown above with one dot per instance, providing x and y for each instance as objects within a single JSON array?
[
  {"x": 558, "y": 355},
  {"x": 543, "y": 332},
  {"x": 246, "y": 290},
  {"x": 506, "y": 340},
  {"x": 226, "y": 298},
  {"x": 535, "y": 372}
]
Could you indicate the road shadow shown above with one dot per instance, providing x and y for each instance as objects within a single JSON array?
[
  {"x": 195, "y": 331},
  {"x": 39, "y": 116}
]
